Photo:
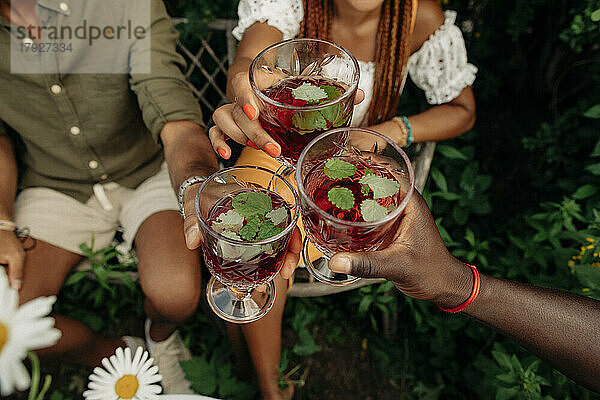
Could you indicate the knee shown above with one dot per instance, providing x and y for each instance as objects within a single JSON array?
[{"x": 178, "y": 302}]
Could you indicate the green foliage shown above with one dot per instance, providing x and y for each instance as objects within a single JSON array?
[{"x": 215, "y": 378}]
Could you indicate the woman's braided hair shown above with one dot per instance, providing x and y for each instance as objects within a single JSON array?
[{"x": 393, "y": 49}]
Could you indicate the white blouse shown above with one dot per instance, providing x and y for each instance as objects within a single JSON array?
[{"x": 439, "y": 67}]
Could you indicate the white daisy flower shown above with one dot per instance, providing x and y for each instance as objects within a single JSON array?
[
  {"x": 22, "y": 329},
  {"x": 125, "y": 378}
]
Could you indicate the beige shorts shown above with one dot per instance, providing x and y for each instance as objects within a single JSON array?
[{"x": 62, "y": 221}]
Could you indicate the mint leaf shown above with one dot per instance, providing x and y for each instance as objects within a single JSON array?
[
  {"x": 249, "y": 231},
  {"x": 278, "y": 215},
  {"x": 309, "y": 92},
  {"x": 309, "y": 121},
  {"x": 332, "y": 91},
  {"x": 372, "y": 211},
  {"x": 248, "y": 204},
  {"x": 339, "y": 169},
  {"x": 267, "y": 230},
  {"x": 229, "y": 221},
  {"x": 381, "y": 187},
  {"x": 231, "y": 235},
  {"x": 364, "y": 190},
  {"x": 341, "y": 197},
  {"x": 369, "y": 172},
  {"x": 333, "y": 114}
]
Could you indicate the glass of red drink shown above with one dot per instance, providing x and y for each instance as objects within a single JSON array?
[
  {"x": 245, "y": 227},
  {"x": 305, "y": 87},
  {"x": 353, "y": 184}
]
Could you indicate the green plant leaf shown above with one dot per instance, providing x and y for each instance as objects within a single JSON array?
[
  {"x": 308, "y": 92},
  {"x": 450, "y": 152},
  {"x": 593, "y": 112},
  {"x": 278, "y": 215},
  {"x": 585, "y": 191},
  {"x": 439, "y": 179},
  {"x": 381, "y": 187},
  {"x": 504, "y": 393},
  {"x": 306, "y": 344},
  {"x": 309, "y": 121},
  {"x": 201, "y": 374},
  {"x": 340, "y": 197},
  {"x": 596, "y": 151},
  {"x": 333, "y": 114},
  {"x": 594, "y": 169},
  {"x": 332, "y": 91},
  {"x": 267, "y": 230},
  {"x": 249, "y": 231},
  {"x": 595, "y": 17},
  {"x": 372, "y": 211},
  {"x": 249, "y": 204},
  {"x": 339, "y": 169}
]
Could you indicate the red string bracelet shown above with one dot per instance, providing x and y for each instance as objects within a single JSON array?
[{"x": 472, "y": 297}]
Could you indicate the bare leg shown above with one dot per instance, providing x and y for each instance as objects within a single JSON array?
[
  {"x": 169, "y": 273},
  {"x": 78, "y": 343},
  {"x": 264, "y": 342}
]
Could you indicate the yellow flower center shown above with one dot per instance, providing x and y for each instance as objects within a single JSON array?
[
  {"x": 3, "y": 336},
  {"x": 127, "y": 386}
]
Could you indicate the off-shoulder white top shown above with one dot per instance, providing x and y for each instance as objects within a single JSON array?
[{"x": 440, "y": 67}]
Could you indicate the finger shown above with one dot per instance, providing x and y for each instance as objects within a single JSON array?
[
  {"x": 190, "y": 222},
  {"x": 245, "y": 97},
  {"x": 373, "y": 264},
  {"x": 255, "y": 133},
  {"x": 292, "y": 257},
  {"x": 225, "y": 121},
  {"x": 16, "y": 265},
  {"x": 359, "y": 97},
  {"x": 218, "y": 141}
]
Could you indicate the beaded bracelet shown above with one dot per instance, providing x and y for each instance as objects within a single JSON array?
[
  {"x": 187, "y": 183},
  {"x": 472, "y": 297},
  {"x": 6, "y": 225},
  {"x": 406, "y": 128}
]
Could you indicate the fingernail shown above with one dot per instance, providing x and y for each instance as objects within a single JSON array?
[
  {"x": 191, "y": 234},
  {"x": 272, "y": 149},
  {"x": 341, "y": 264},
  {"x": 250, "y": 111},
  {"x": 16, "y": 284},
  {"x": 222, "y": 153},
  {"x": 251, "y": 144}
]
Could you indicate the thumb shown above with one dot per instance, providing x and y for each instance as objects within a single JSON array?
[{"x": 364, "y": 265}]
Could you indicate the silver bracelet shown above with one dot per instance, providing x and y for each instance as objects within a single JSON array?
[{"x": 188, "y": 182}]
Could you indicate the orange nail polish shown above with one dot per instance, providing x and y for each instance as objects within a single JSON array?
[
  {"x": 255, "y": 147},
  {"x": 272, "y": 149},
  {"x": 222, "y": 153},
  {"x": 250, "y": 111}
]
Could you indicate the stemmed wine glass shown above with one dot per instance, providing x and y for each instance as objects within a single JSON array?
[
  {"x": 353, "y": 184},
  {"x": 305, "y": 87},
  {"x": 245, "y": 227}
]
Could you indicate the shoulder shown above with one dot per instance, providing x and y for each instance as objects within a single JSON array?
[{"x": 429, "y": 18}]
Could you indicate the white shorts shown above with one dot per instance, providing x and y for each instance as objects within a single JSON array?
[{"x": 60, "y": 220}]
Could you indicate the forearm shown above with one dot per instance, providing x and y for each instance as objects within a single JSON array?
[
  {"x": 187, "y": 151},
  {"x": 441, "y": 122},
  {"x": 559, "y": 327},
  {"x": 8, "y": 178}
]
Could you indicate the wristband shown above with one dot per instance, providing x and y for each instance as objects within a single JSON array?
[
  {"x": 406, "y": 129},
  {"x": 188, "y": 182},
  {"x": 6, "y": 225},
  {"x": 472, "y": 297}
]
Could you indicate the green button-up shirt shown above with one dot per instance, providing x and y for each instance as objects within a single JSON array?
[{"x": 75, "y": 130}]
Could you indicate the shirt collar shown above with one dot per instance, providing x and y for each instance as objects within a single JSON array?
[{"x": 53, "y": 5}]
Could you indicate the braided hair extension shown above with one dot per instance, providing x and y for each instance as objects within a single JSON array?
[{"x": 393, "y": 49}]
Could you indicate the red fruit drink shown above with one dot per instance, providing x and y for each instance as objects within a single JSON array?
[
  {"x": 294, "y": 128},
  {"x": 356, "y": 203},
  {"x": 240, "y": 263}
]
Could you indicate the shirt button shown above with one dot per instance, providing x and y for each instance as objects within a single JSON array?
[
  {"x": 93, "y": 164},
  {"x": 56, "y": 89},
  {"x": 28, "y": 41},
  {"x": 64, "y": 6},
  {"x": 75, "y": 130},
  {"x": 104, "y": 177}
]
